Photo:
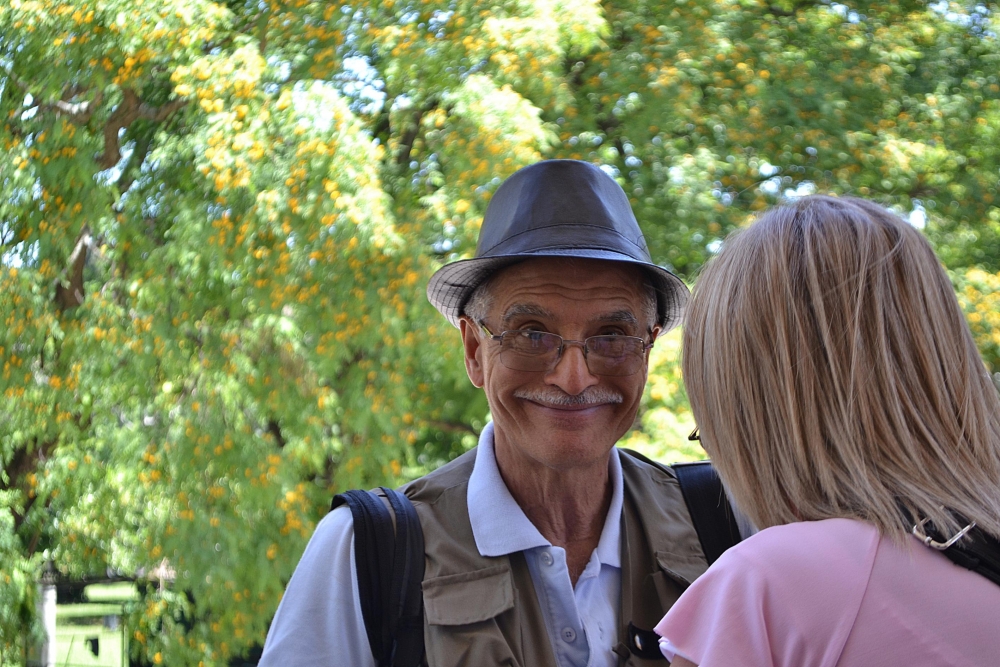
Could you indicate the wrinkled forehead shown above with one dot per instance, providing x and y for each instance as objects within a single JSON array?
[{"x": 549, "y": 286}]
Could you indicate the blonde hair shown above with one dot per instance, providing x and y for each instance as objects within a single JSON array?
[{"x": 832, "y": 374}]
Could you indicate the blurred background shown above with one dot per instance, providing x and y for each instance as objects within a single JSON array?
[{"x": 217, "y": 221}]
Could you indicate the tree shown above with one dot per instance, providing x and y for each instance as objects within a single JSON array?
[
  {"x": 979, "y": 294},
  {"x": 218, "y": 218},
  {"x": 711, "y": 110}
]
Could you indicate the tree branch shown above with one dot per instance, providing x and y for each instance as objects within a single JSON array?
[
  {"x": 275, "y": 430},
  {"x": 342, "y": 374},
  {"x": 25, "y": 459},
  {"x": 78, "y": 112},
  {"x": 382, "y": 127},
  {"x": 132, "y": 170},
  {"x": 69, "y": 294},
  {"x": 410, "y": 136},
  {"x": 777, "y": 11},
  {"x": 128, "y": 111},
  {"x": 262, "y": 23}
]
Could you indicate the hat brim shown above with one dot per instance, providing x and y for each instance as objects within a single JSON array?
[{"x": 451, "y": 286}]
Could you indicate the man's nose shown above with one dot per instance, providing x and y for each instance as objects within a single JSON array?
[{"x": 571, "y": 373}]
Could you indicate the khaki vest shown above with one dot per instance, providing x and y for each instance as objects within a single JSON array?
[{"x": 483, "y": 612}]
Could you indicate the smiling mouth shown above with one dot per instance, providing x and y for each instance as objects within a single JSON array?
[
  {"x": 591, "y": 397},
  {"x": 570, "y": 408}
]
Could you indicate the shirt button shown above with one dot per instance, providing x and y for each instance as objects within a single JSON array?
[
  {"x": 569, "y": 635},
  {"x": 546, "y": 558}
]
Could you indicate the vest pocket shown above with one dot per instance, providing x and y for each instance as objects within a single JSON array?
[
  {"x": 682, "y": 569},
  {"x": 469, "y": 597},
  {"x": 470, "y": 622}
]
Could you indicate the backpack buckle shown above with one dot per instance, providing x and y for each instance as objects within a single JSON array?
[{"x": 918, "y": 531}]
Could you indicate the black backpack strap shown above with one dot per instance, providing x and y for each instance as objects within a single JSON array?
[
  {"x": 406, "y": 623},
  {"x": 389, "y": 560},
  {"x": 709, "y": 507},
  {"x": 374, "y": 536},
  {"x": 977, "y": 550},
  {"x": 713, "y": 518}
]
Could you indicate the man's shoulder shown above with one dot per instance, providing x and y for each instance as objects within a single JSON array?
[
  {"x": 453, "y": 475},
  {"x": 654, "y": 501},
  {"x": 653, "y": 486},
  {"x": 441, "y": 501},
  {"x": 637, "y": 467}
]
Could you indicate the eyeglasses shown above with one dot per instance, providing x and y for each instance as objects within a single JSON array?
[
  {"x": 540, "y": 351},
  {"x": 695, "y": 435}
]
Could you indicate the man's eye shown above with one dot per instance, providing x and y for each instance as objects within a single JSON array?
[{"x": 532, "y": 334}]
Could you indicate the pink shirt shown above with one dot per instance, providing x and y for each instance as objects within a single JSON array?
[{"x": 826, "y": 593}]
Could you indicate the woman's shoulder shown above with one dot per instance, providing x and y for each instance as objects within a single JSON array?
[
  {"x": 810, "y": 560},
  {"x": 821, "y": 541},
  {"x": 788, "y": 595}
]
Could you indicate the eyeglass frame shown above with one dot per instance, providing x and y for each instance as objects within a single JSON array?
[{"x": 646, "y": 347}]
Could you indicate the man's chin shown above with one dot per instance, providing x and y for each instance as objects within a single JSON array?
[
  {"x": 567, "y": 454},
  {"x": 543, "y": 444}
]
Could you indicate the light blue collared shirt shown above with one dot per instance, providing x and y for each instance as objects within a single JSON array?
[
  {"x": 319, "y": 622},
  {"x": 582, "y": 622}
]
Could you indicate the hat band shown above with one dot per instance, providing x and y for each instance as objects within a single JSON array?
[{"x": 563, "y": 236}]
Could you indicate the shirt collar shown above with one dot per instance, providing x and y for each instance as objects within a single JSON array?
[{"x": 500, "y": 526}]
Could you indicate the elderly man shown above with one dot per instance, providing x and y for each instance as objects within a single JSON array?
[{"x": 545, "y": 545}]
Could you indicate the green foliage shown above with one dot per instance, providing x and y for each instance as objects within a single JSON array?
[
  {"x": 17, "y": 583},
  {"x": 713, "y": 109},
  {"x": 665, "y": 421},
  {"x": 979, "y": 295},
  {"x": 218, "y": 218}
]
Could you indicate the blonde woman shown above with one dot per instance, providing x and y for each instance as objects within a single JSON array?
[{"x": 838, "y": 390}]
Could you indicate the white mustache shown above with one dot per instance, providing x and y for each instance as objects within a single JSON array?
[{"x": 589, "y": 396}]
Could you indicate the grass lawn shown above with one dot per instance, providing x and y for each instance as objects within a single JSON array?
[
  {"x": 79, "y": 622},
  {"x": 72, "y": 649}
]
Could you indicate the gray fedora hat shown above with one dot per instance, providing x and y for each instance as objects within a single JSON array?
[{"x": 556, "y": 208}]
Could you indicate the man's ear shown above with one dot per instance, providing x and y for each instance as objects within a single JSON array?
[
  {"x": 473, "y": 351},
  {"x": 653, "y": 335}
]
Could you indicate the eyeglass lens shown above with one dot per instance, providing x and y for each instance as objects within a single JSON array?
[{"x": 540, "y": 351}]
